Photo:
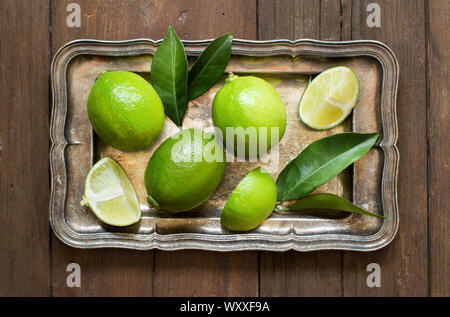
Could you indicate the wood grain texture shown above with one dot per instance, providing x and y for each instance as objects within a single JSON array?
[
  {"x": 24, "y": 144},
  {"x": 124, "y": 20},
  {"x": 293, "y": 273},
  {"x": 404, "y": 263},
  {"x": 346, "y": 19},
  {"x": 288, "y": 19},
  {"x": 439, "y": 154},
  {"x": 104, "y": 272},
  {"x": 330, "y": 20},
  {"x": 200, "y": 273},
  {"x": 132, "y": 272}
]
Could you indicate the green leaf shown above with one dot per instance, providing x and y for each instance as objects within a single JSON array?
[
  {"x": 327, "y": 201},
  {"x": 210, "y": 66},
  {"x": 320, "y": 162},
  {"x": 169, "y": 76}
]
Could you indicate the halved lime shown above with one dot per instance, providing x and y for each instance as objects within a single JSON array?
[
  {"x": 329, "y": 98},
  {"x": 110, "y": 194}
]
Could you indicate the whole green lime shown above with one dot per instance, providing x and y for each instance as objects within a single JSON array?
[
  {"x": 184, "y": 171},
  {"x": 125, "y": 111},
  {"x": 251, "y": 202},
  {"x": 251, "y": 108}
]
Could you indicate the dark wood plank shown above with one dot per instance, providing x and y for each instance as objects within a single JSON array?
[
  {"x": 24, "y": 123},
  {"x": 330, "y": 20},
  {"x": 346, "y": 19},
  {"x": 124, "y": 20},
  {"x": 199, "y": 273},
  {"x": 121, "y": 272},
  {"x": 404, "y": 264},
  {"x": 438, "y": 132},
  {"x": 288, "y": 19},
  {"x": 104, "y": 272},
  {"x": 293, "y": 273},
  {"x": 301, "y": 274}
]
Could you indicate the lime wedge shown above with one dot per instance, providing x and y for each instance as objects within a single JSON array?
[
  {"x": 329, "y": 98},
  {"x": 110, "y": 194}
]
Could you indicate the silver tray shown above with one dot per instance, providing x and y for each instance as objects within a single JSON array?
[{"x": 371, "y": 182}]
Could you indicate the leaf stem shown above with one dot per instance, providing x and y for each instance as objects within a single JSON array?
[
  {"x": 231, "y": 77},
  {"x": 279, "y": 208}
]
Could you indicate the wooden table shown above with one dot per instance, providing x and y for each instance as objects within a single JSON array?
[{"x": 33, "y": 261}]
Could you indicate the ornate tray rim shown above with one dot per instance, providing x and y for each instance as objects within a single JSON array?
[{"x": 233, "y": 242}]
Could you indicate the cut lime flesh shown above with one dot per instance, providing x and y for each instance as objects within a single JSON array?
[
  {"x": 329, "y": 98},
  {"x": 110, "y": 194}
]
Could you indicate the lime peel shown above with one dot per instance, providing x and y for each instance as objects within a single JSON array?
[
  {"x": 125, "y": 111},
  {"x": 176, "y": 178},
  {"x": 251, "y": 202},
  {"x": 253, "y": 111}
]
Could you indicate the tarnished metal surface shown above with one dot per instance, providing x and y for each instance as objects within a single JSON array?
[{"x": 370, "y": 183}]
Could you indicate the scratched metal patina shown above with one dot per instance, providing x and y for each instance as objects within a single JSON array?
[{"x": 289, "y": 75}]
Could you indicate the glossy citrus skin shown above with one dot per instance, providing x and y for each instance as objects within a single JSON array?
[
  {"x": 125, "y": 111},
  {"x": 250, "y": 203},
  {"x": 177, "y": 178},
  {"x": 245, "y": 102}
]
